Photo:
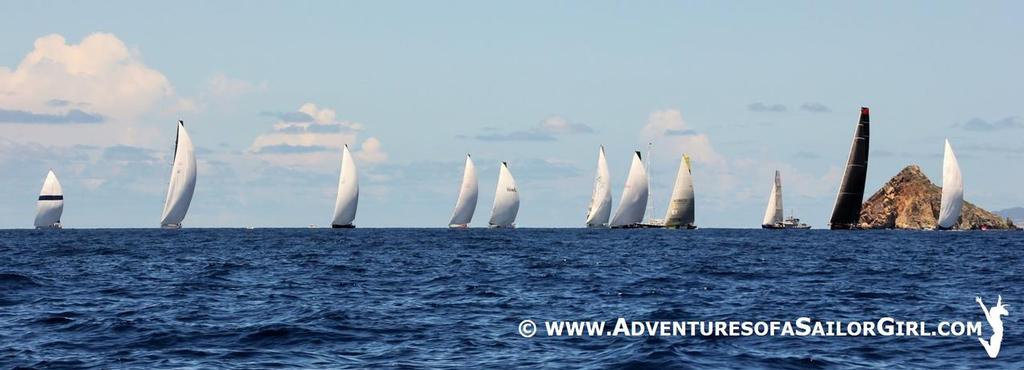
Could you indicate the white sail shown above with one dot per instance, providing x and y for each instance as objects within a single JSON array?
[
  {"x": 506, "y": 200},
  {"x": 348, "y": 192},
  {"x": 681, "y": 206},
  {"x": 773, "y": 214},
  {"x": 601, "y": 199},
  {"x": 51, "y": 203},
  {"x": 466, "y": 205},
  {"x": 634, "y": 196},
  {"x": 952, "y": 190},
  {"x": 183, "y": 181}
]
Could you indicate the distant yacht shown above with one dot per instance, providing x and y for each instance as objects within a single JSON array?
[
  {"x": 601, "y": 199},
  {"x": 846, "y": 212},
  {"x": 183, "y": 181},
  {"x": 506, "y": 200},
  {"x": 466, "y": 205},
  {"x": 51, "y": 203},
  {"x": 773, "y": 215},
  {"x": 952, "y": 191},
  {"x": 680, "y": 213},
  {"x": 633, "y": 202},
  {"x": 348, "y": 193}
]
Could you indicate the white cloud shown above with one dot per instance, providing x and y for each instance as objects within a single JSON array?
[
  {"x": 313, "y": 139},
  {"x": 100, "y": 74},
  {"x": 561, "y": 125},
  {"x": 663, "y": 128},
  {"x": 371, "y": 151},
  {"x": 224, "y": 87}
]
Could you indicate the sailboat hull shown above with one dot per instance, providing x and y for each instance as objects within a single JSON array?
[
  {"x": 49, "y": 227},
  {"x": 683, "y": 227},
  {"x": 639, "y": 226},
  {"x": 170, "y": 226},
  {"x": 348, "y": 226},
  {"x": 458, "y": 226},
  {"x": 785, "y": 227}
]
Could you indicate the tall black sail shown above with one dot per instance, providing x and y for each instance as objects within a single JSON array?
[{"x": 846, "y": 214}]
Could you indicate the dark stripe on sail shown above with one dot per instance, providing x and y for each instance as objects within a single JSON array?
[
  {"x": 51, "y": 197},
  {"x": 177, "y": 133},
  {"x": 846, "y": 214}
]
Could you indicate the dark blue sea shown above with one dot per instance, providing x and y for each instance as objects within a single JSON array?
[{"x": 437, "y": 298}]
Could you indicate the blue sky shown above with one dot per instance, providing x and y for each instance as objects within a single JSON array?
[{"x": 746, "y": 87}]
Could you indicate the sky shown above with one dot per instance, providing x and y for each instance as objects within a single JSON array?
[{"x": 270, "y": 91}]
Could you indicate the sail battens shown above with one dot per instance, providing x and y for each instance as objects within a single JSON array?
[
  {"x": 506, "y": 200},
  {"x": 633, "y": 202},
  {"x": 465, "y": 206},
  {"x": 348, "y": 192},
  {"x": 183, "y": 180},
  {"x": 601, "y": 199},
  {"x": 849, "y": 198},
  {"x": 952, "y": 201}
]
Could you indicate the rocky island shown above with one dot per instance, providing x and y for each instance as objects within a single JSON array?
[{"x": 911, "y": 201}]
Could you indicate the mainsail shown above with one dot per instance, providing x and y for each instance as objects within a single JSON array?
[
  {"x": 773, "y": 214},
  {"x": 681, "y": 206},
  {"x": 50, "y": 204},
  {"x": 348, "y": 192},
  {"x": 183, "y": 181},
  {"x": 952, "y": 190},
  {"x": 634, "y": 196},
  {"x": 468, "y": 192},
  {"x": 601, "y": 199},
  {"x": 846, "y": 213},
  {"x": 506, "y": 200}
]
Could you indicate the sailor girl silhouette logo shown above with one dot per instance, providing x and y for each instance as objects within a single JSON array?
[{"x": 993, "y": 315}]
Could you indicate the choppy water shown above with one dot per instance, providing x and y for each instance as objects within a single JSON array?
[{"x": 454, "y": 298}]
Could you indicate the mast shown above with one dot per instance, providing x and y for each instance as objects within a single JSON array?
[
  {"x": 465, "y": 206},
  {"x": 177, "y": 135},
  {"x": 506, "y": 200},
  {"x": 774, "y": 213},
  {"x": 952, "y": 199},
  {"x": 347, "y": 202},
  {"x": 650, "y": 194},
  {"x": 633, "y": 201},
  {"x": 846, "y": 212},
  {"x": 50, "y": 204},
  {"x": 182, "y": 184},
  {"x": 680, "y": 213},
  {"x": 601, "y": 199}
]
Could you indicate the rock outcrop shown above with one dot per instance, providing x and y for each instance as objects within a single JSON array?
[{"x": 911, "y": 201}]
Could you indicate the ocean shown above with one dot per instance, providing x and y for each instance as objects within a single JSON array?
[{"x": 438, "y": 298}]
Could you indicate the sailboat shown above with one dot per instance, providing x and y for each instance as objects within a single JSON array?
[
  {"x": 348, "y": 193},
  {"x": 506, "y": 200},
  {"x": 50, "y": 204},
  {"x": 773, "y": 215},
  {"x": 680, "y": 213},
  {"x": 183, "y": 181},
  {"x": 633, "y": 202},
  {"x": 952, "y": 191},
  {"x": 846, "y": 212},
  {"x": 601, "y": 199},
  {"x": 466, "y": 205}
]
